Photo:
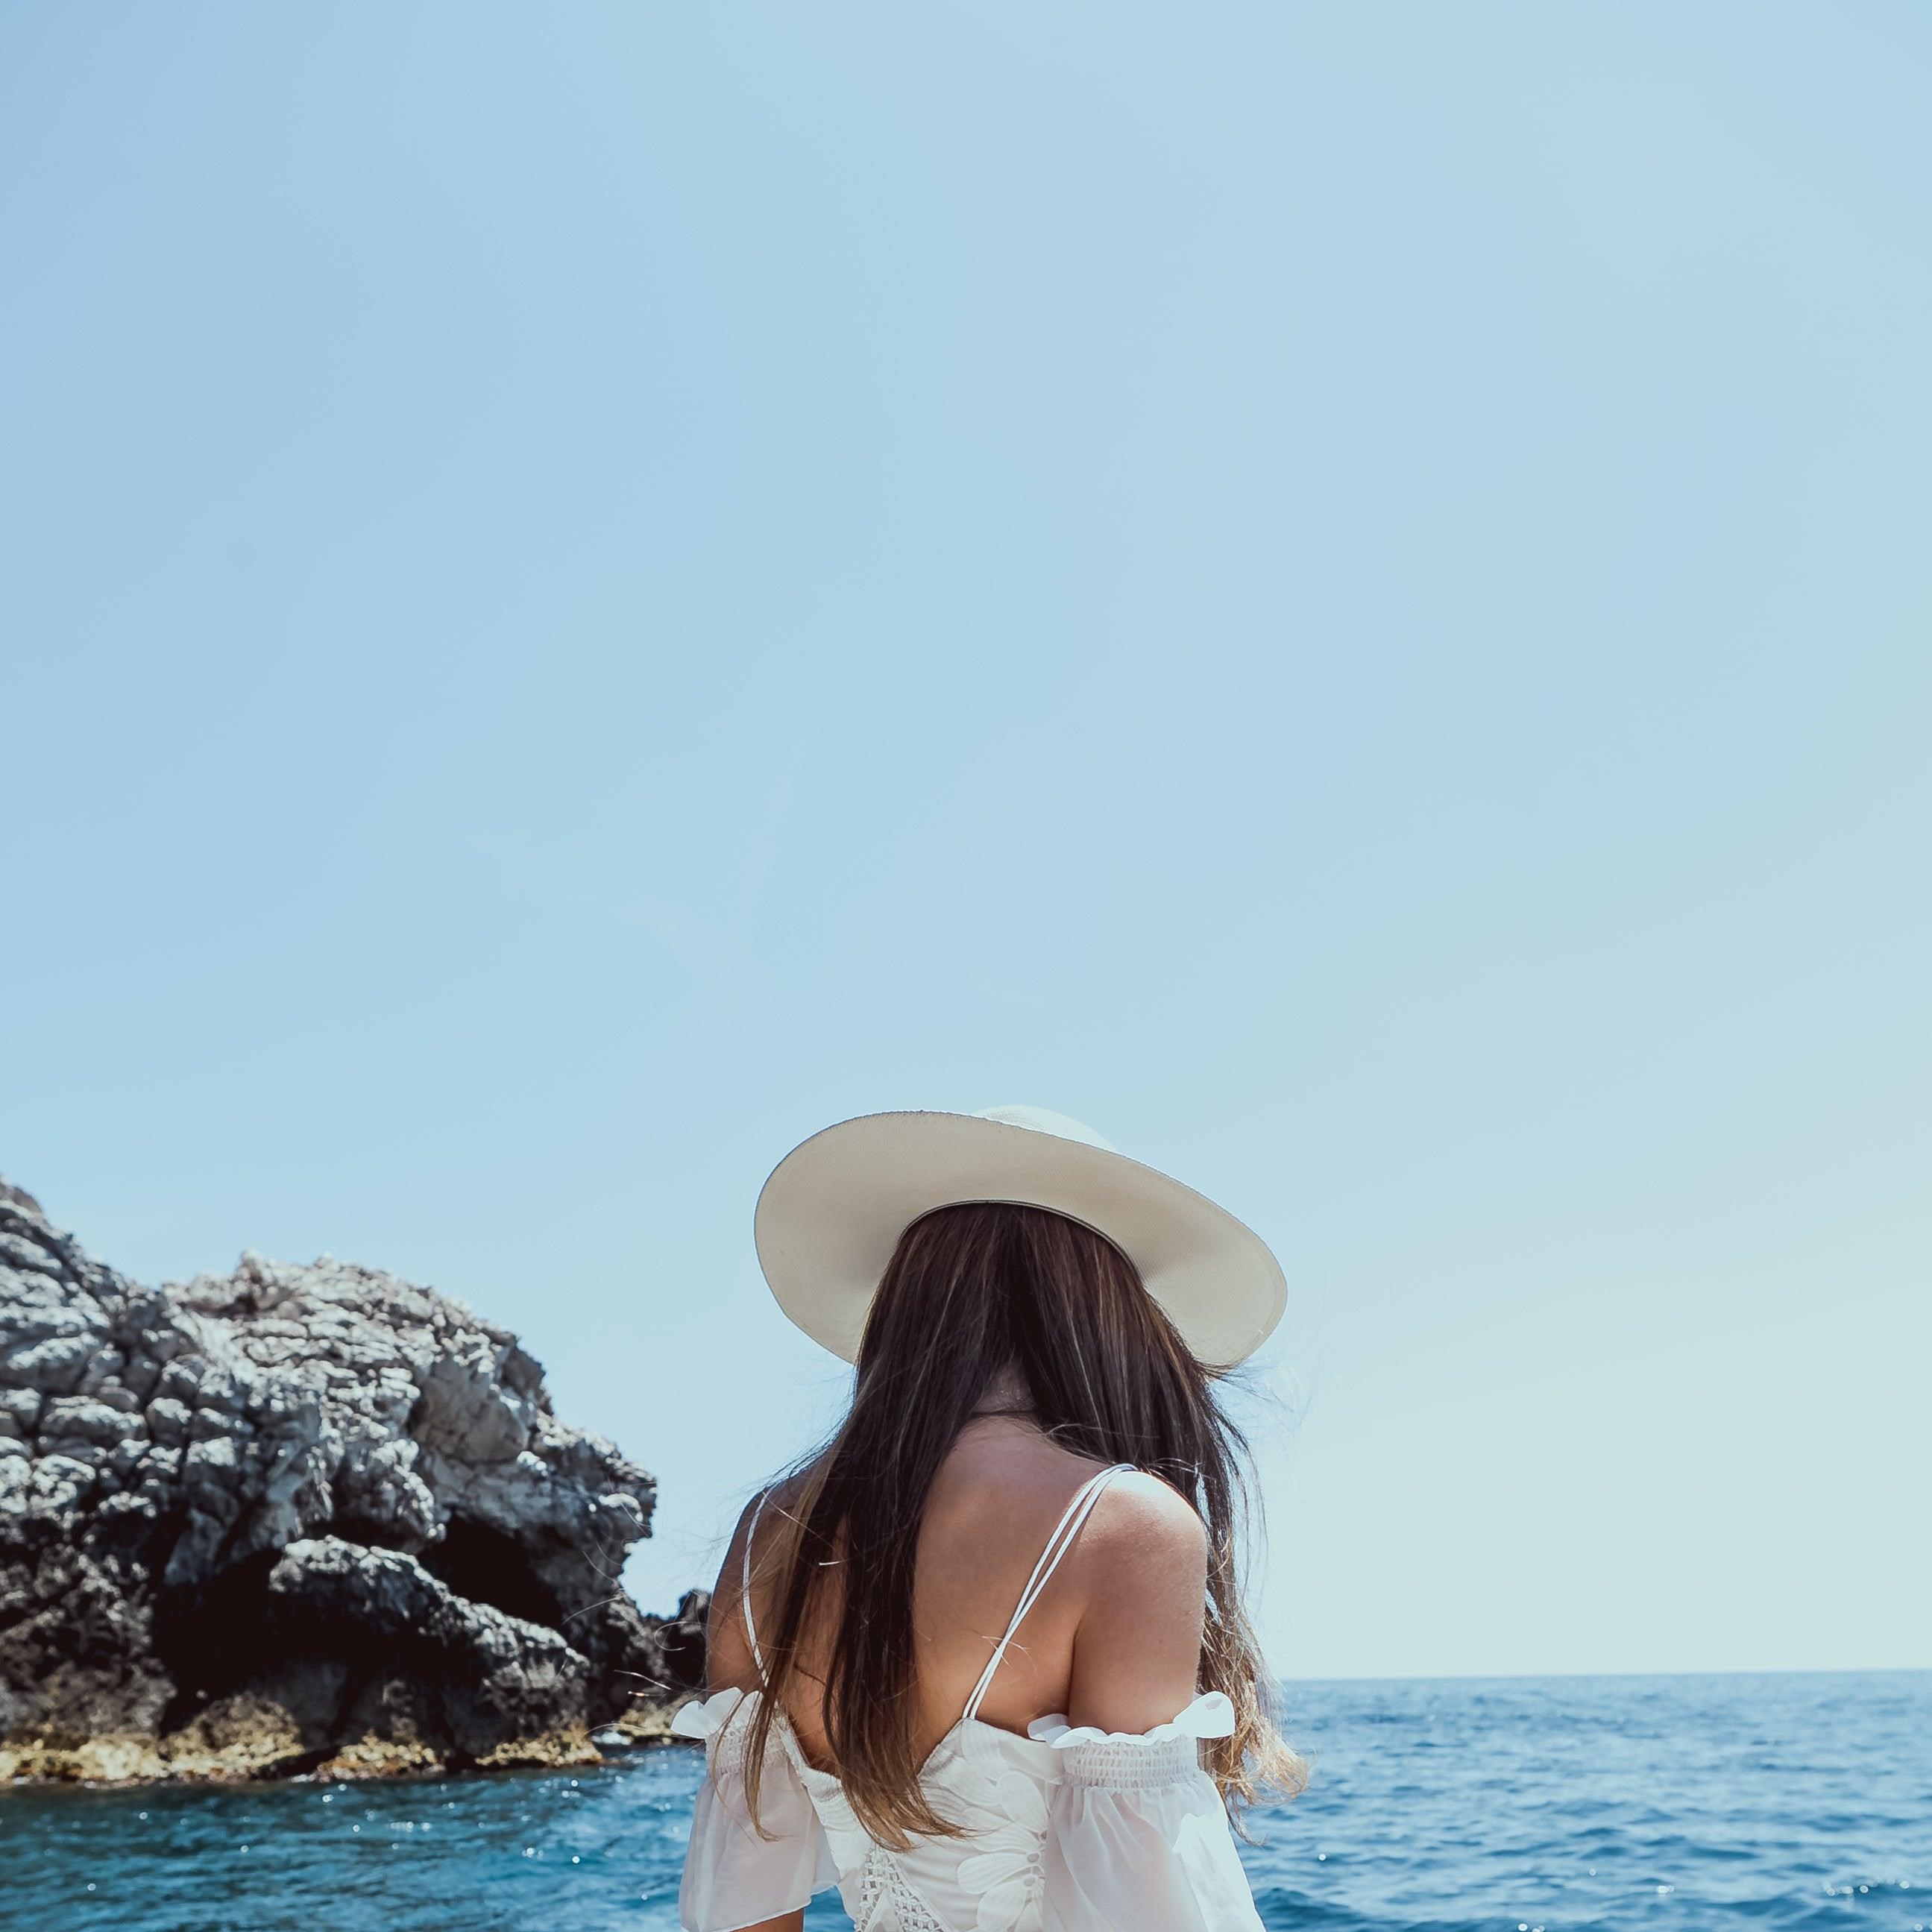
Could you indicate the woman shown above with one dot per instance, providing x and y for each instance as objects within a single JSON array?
[{"x": 980, "y": 1662}]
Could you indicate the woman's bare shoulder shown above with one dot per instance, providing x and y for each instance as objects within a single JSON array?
[
  {"x": 1139, "y": 1518},
  {"x": 1141, "y": 1570}
]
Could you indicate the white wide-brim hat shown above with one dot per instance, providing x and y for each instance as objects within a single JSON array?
[{"x": 832, "y": 1211}]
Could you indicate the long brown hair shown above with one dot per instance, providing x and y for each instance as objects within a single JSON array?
[{"x": 973, "y": 1293}]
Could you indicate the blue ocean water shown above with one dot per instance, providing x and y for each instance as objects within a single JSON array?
[{"x": 1515, "y": 1805}]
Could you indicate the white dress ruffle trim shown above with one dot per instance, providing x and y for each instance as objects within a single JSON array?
[
  {"x": 1072, "y": 1829},
  {"x": 1211, "y": 1715}
]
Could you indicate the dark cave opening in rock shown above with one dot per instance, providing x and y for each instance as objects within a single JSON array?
[
  {"x": 487, "y": 1567},
  {"x": 233, "y": 1634},
  {"x": 213, "y": 1639}
]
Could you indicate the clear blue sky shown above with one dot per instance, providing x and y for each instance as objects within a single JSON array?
[{"x": 1341, "y": 592}]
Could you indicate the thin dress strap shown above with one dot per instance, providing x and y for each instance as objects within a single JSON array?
[
  {"x": 1058, "y": 1545},
  {"x": 744, "y": 1592}
]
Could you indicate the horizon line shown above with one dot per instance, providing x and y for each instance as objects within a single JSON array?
[{"x": 1578, "y": 1676}]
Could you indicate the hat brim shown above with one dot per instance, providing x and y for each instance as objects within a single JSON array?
[{"x": 832, "y": 1212}]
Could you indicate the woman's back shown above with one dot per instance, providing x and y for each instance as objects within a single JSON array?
[
  {"x": 1113, "y": 1640},
  {"x": 1100, "y": 1821}
]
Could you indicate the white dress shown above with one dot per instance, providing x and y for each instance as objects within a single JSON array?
[{"x": 1068, "y": 1830}]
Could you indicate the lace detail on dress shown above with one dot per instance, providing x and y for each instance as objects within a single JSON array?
[
  {"x": 723, "y": 1722},
  {"x": 881, "y": 1900},
  {"x": 731, "y": 1746},
  {"x": 1131, "y": 1764}
]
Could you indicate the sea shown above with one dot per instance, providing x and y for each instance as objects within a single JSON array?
[{"x": 1512, "y": 1805}]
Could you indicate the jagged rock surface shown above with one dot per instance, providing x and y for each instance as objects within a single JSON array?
[{"x": 300, "y": 1518}]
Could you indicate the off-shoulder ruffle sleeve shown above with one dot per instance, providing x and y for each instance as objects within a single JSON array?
[
  {"x": 1139, "y": 1836},
  {"x": 733, "y": 1877}
]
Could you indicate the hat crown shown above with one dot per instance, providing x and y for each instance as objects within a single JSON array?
[{"x": 1044, "y": 1121}]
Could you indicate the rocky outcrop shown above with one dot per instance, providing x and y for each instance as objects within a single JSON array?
[{"x": 301, "y": 1518}]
